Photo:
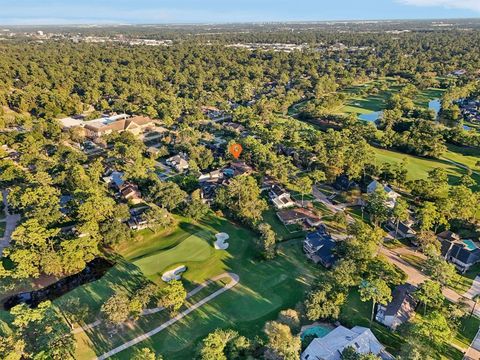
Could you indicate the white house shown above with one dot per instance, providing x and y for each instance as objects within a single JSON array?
[
  {"x": 178, "y": 162},
  {"x": 392, "y": 196},
  {"x": 331, "y": 346},
  {"x": 280, "y": 198}
]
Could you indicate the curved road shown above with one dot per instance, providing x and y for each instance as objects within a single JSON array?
[{"x": 234, "y": 281}]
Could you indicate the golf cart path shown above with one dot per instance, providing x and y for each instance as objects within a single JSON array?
[
  {"x": 160, "y": 308},
  {"x": 234, "y": 281}
]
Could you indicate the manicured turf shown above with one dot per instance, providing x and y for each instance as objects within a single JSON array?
[
  {"x": 194, "y": 248},
  {"x": 418, "y": 167},
  {"x": 265, "y": 288}
]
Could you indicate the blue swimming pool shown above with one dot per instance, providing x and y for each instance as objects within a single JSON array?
[
  {"x": 317, "y": 331},
  {"x": 470, "y": 244}
]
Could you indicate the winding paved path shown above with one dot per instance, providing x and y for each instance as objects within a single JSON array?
[{"x": 234, "y": 281}]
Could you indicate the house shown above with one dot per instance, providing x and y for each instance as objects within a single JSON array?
[
  {"x": 392, "y": 196},
  {"x": 400, "y": 309},
  {"x": 136, "y": 125},
  {"x": 462, "y": 253},
  {"x": 178, "y": 162},
  {"x": 131, "y": 193},
  {"x": 343, "y": 183},
  {"x": 404, "y": 229},
  {"x": 320, "y": 247},
  {"x": 280, "y": 198},
  {"x": 115, "y": 179},
  {"x": 298, "y": 215},
  {"x": 331, "y": 346},
  {"x": 239, "y": 168},
  {"x": 208, "y": 191},
  {"x": 212, "y": 176},
  {"x": 238, "y": 128},
  {"x": 448, "y": 235}
]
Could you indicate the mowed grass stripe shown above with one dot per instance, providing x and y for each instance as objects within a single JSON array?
[{"x": 195, "y": 248}]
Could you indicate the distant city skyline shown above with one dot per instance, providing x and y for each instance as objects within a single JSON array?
[{"x": 52, "y": 12}]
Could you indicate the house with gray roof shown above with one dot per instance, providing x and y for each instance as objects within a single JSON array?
[
  {"x": 332, "y": 345},
  {"x": 400, "y": 309}
]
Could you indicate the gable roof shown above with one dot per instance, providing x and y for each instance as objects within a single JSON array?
[
  {"x": 331, "y": 346},
  {"x": 401, "y": 294}
]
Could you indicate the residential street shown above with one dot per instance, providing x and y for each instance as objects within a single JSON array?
[{"x": 416, "y": 277}]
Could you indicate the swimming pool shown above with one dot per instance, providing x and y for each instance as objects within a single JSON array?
[
  {"x": 318, "y": 331},
  {"x": 470, "y": 245}
]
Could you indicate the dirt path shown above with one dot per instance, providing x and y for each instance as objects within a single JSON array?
[{"x": 234, "y": 281}]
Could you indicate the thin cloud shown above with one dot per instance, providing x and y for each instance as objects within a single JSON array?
[{"x": 473, "y": 5}]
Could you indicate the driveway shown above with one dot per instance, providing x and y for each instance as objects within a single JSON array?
[
  {"x": 321, "y": 197},
  {"x": 416, "y": 277}
]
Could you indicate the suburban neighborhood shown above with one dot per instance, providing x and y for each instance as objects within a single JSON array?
[{"x": 275, "y": 191}]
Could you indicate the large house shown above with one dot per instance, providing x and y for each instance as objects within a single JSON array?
[
  {"x": 280, "y": 198},
  {"x": 320, "y": 247},
  {"x": 97, "y": 128},
  {"x": 299, "y": 215},
  {"x": 403, "y": 230},
  {"x": 332, "y": 345},
  {"x": 178, "y": 162},
  {"x": 136, "y": 125},
  {"x": 462, "y": 253},
  {"x": 392, "y": 196},
  {"x": 400, "y": 309}
]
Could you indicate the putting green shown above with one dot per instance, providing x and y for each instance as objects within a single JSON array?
[{"x": 194, "y": 248}]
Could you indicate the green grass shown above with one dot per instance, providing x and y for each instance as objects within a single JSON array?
[
  {"x": 416, "y": 261},
  {"x": 465, "y": 281},
  {"x": 265, "y": 287},
  {"x": 283, "y": 232},
  {"x": 194, "y": 249},
  {"x": 418, "y": 167},
  {"x": 356, "y": 312}
]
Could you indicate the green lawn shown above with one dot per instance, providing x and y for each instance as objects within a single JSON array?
[
  {"x": 265, "y": 287},
  {"x": 356, "y": 312},
  {"x": 283, "y": 232},
  {"x": 418, "y": 167}
]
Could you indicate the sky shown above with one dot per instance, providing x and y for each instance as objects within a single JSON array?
[{"x": 46, "y": 12}]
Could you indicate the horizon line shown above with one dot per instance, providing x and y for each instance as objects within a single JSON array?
[{"x": 120, "y": 23}]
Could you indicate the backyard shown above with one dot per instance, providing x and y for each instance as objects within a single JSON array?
[{"x": 356, "y": 312}]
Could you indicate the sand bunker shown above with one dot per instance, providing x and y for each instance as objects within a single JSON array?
[
  {"x": 175, "y": 274},
  {"x": 221, "y": 243}
]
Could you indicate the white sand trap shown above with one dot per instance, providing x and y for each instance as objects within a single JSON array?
[
  {"x": 175, "y": 274},
  {"x": 221, "y": 243}
]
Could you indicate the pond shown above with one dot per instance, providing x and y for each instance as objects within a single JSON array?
[
  {"x": 371, "y": 117},
  {"x": 435, "y": 105},
  {"x": 94, "y": 270}
]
